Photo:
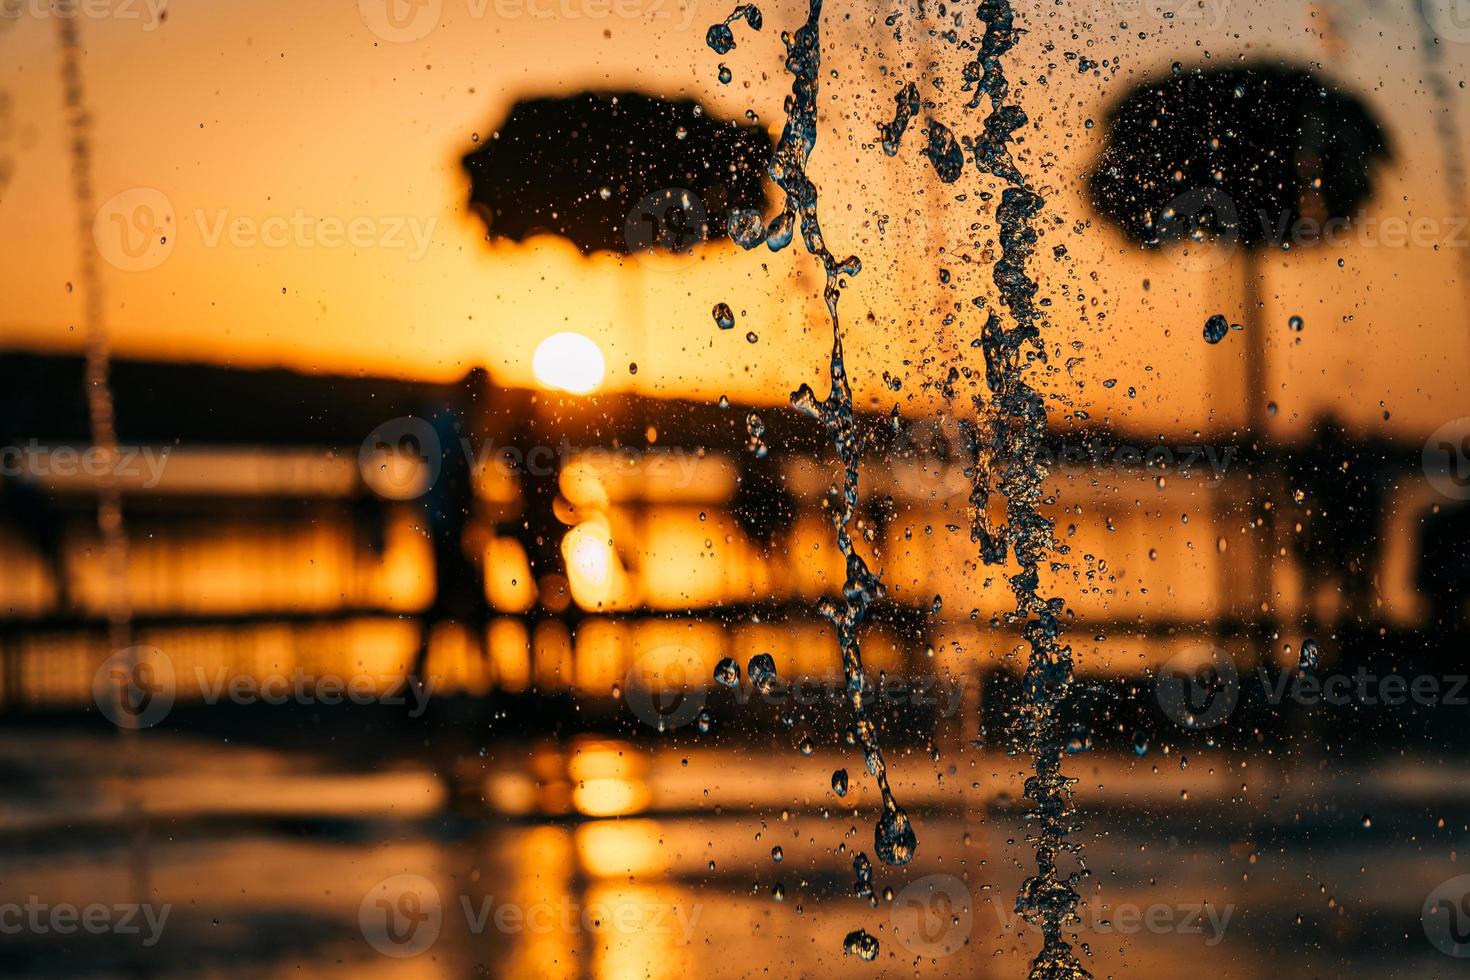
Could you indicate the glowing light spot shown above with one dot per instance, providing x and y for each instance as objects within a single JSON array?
[
  {"x": 595, "y": 574},
  {"x": 569, "y": 362}
]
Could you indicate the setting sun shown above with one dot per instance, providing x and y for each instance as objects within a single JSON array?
[{"x": 569, "y": 362}]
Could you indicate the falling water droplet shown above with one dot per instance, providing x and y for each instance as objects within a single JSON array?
[
  {"x": 727, "y": 672},
  {"x": 762, "y": 672},
  {"x": 1310, "y": 656},
  {"x": 1216, "y": 327},
  {"x": 944, "y": 152},
  {"x": 746, "y": 226},
  {"x": 893, "y": 837},
  {"x": 719, "y": 36},
  {"x": 782, "y": 226},
  {"x": 863, "y": 868},
  {"x": 858, "y": 943},
  {"x": 906, "y": 107}
]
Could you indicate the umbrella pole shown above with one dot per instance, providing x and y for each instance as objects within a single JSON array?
[
  {"x": 1445, "y": 126},
  {"x": 102, "y": 421},
  {"x": 1261, "y": 507}
]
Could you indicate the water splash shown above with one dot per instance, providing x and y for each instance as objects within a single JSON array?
[
  {"x": 893, "y": 835},
  {"x": 1005, "y": 450},
  {"x": 719, "y": 36},
  {"x": 906, "y": 108},
  {"x": 991, "y": 150},
  {"x": 944, "y": 152},
  {"x": 1005, "y": 447}
]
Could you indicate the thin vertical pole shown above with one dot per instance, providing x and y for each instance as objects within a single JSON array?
[{"x": 100, "y": 413}]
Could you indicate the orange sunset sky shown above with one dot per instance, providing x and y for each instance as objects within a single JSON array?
[{"x": 326, "y": 111}]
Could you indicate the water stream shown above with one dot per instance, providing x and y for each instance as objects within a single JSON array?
[{"x": 1005, "y": 440}]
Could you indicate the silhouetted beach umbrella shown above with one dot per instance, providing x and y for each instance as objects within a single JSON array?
[
  {"x": 1253, "y": 155},
  {"x": 616, "y": 171}
]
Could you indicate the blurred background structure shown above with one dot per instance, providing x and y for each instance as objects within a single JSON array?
[{"x": 421, "y": 385}]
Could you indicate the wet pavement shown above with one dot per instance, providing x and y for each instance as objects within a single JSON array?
[{"x": 607, "y": 858}]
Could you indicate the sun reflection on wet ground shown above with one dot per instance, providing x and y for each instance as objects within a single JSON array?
[{"x": 619, "y": 860}]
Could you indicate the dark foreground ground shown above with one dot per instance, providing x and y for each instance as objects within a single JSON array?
[{"x": 602, "y": 857}]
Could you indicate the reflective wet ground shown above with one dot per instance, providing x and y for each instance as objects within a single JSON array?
[{"x": 620, "y": 859}]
